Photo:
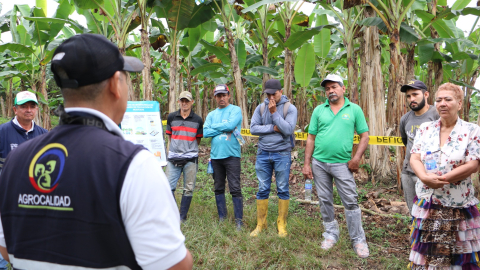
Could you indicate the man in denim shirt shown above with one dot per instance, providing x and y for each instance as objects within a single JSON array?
[{"x": 274, "y": 121}]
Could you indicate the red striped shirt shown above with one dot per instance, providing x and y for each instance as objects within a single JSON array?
[{"x": 183, "y": 138}]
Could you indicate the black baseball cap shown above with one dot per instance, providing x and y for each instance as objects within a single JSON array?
[
  {"x": 87, "y": 59},
  {"x": 221, "y": 89},
  {"x": 272, "y": 86},
  {"x": 414, "y": 84}
]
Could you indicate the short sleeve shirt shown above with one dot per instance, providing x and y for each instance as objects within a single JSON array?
[
  {"x": 334, "y": 132},
  {"x": 184, "y": 134},
  {"x": 463, "y": 145}
]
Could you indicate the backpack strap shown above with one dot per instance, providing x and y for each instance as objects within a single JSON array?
[{"x": 285, "y": 108}]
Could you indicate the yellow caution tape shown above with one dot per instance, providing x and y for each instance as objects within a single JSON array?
[
  {"x": 374, "y": 140},
  {"x": 381, "y": 140},
  {"x": 302, "y": 136}
]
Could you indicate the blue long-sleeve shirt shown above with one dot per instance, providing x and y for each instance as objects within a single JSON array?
[
  {"x": 219, "y": 125},
  {"x": 11, "y": 135},
  {"x": 262, "y": 125}
]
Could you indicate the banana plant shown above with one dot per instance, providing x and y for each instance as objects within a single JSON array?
[
  {"x": 112, "y": 18},
  {"x": 36, "y": 37},
  {"x": 349, "y": 19},
  {"x": 180, "y": 14}
]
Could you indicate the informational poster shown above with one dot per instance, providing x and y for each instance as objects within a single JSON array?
[{"x": 141, "y": 124}]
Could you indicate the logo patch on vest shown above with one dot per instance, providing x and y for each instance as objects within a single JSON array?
[
  {"x": 44, "y": 173},
  {"x": 47, "y": 166}
]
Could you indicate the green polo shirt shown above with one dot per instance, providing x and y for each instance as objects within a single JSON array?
[{"x": 334, "y": 133}]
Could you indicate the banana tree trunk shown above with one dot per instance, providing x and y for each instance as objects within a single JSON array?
[
  {"x": 435, "y": 70},
  {"x": 10, "y": 99},
  {"x": 410, "y": 67},
  {"x": 43, "y": 89},
  {"x": 287, "y": 68},
  {"x": 206, "y": 90},
  {"x": 467, "y": 104},
  {"x": 180, "y": 83},
  {"x": 189, "y": 82},
  {"x": 352, "y": 71},
  {"x": 396, "y": 99},
  {"x": 373, "y": 93},
  {"x": 237, "y": 76},
  {"x": 147, "y": 76},
  {"x": 131, "y": 92},
  {"x": 266, "y": 76},
  {"x": 198, "y": 99},
  {"x": 300, "y": 102},
  {"x": 172, "y": 97},
  {"x": 2, "y": 105}
]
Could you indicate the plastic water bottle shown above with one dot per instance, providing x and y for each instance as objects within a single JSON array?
[
  {"x": 308, "y": 190},
  {"x": 430, "y": 163},
  {"x": 210, "y": 167},
  {"x": 239, "y": 137}
]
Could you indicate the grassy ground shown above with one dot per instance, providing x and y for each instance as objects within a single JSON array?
[{"x": 217, "y": 245}]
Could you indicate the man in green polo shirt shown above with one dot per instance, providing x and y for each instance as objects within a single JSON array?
[{"x": 330, "y": 140}]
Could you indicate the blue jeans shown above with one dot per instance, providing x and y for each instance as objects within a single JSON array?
[
  {"x": 3, "y": 263},
  {"x": 189, "y": 176},
  {"x": 266, "y": 163}
]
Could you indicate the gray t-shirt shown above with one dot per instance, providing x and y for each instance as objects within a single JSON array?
[{"x": 409, "y": 123}]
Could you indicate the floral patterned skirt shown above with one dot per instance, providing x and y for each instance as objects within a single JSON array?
[{"x": 444, "y": 238}]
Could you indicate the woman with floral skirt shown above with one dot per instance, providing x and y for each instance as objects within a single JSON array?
[{"x": 445, "y": 231}]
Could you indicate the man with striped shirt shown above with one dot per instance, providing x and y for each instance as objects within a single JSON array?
[{"x": 184, "y": 130}]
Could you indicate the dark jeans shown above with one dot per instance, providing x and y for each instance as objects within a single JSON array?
[{"x": 228, "y": 168}]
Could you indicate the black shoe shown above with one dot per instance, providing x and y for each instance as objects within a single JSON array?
[
  {"x": 238, "y": 211},
  {"x": 184, "y": 206},
  {"x": 221, "y": 206}
]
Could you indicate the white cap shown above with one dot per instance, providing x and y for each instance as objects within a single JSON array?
[
  {"x": 332, "y": 78},
  {"x": 24, "y": 97}
]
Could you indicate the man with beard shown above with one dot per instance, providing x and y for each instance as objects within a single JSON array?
[
  {"x": 421, "y": 112},
  {"x": 330, "y": 142}
]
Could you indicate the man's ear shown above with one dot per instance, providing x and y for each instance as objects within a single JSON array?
[
  {"x": 426, "y": 94},
  {"x": 114, "y": 84}
]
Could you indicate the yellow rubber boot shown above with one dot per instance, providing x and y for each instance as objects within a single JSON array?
[
  {"x": 282, "y": 217},
  {"x": 262, "y": 209}
]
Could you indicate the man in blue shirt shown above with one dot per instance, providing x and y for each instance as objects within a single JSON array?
[
  {"x": 22, "y": 127},
  {"x": 225, "y": 152}
]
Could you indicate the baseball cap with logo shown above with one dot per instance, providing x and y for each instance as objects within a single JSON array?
[
  {"x": 186, "y": 95},
  {"x": 87, "y": 59},
  {"x": 272, "y": 86},
  {"x": 221, "y": 89},
  {"x": 24, "y": 97},
  {"x": 414, "y": 84},
  {"x": 332, "y": 78}
]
